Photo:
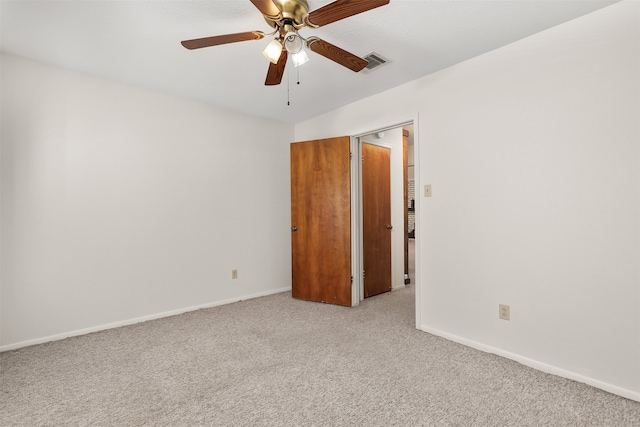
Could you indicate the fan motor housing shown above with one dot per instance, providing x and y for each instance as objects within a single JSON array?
[{"x": 293, "y": 10}]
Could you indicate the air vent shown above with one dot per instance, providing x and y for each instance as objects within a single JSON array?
[{"x": 375, "y": 60}]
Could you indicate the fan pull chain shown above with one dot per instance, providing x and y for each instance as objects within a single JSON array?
[
  {"x": 288, "y": 85},
  {"x": 289, "y": 82}
]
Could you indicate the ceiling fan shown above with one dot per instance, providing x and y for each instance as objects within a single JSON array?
[{"x": 287, "y": 17}]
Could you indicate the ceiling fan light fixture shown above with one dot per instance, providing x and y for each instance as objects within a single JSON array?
[
  {"x": 293, "y": 43},
  {"x": 273, "y": 50},
  {"x": 299, "y": 58},
  {"x": 286, "y": 18}
]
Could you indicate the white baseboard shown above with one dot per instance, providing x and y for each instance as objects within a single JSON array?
[
  {"x": 118, "y": 324},
  {"x": 532, "y": 363}
]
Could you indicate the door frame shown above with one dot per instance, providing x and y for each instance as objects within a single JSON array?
[{"x": 357, "y": 291}]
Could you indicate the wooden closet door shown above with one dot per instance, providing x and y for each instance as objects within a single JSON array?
[
  {"x": 321, "y": 220},
  {"x": 376, "y": 219}
]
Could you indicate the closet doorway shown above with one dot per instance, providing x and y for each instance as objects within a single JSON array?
[{"x": 399, "y": 141}]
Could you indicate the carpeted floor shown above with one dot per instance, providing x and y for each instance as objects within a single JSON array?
[{"x": 276, "y": 361}]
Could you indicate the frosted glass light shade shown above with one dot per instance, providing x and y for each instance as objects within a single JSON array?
[
  {"x": 299, "y": 58},
  {"x": 272, "y": 51}
]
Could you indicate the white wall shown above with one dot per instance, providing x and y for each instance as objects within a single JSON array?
[
  {"x": 533, "y": 154},
  {"x": 120, "y": 204}
]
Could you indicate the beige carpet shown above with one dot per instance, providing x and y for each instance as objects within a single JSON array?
[{"x": 275, "y": 361}]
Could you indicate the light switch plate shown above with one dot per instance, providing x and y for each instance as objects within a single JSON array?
[{"x": 427, "y": 190}]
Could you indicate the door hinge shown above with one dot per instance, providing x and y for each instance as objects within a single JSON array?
[
  {"x": 350, "y": 155},
  {"x": 352, "y": 280},
  {"x": 362, "y": 160}
]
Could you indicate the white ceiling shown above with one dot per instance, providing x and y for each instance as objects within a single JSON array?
[{"x": 138, "y": 43}]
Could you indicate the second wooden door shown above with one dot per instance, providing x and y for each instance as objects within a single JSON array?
[{"x": 376, "y": 217}]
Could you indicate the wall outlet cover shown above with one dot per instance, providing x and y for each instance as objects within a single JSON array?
[{"x": 504, "y": 312}]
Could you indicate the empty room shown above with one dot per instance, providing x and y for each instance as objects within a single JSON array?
[{"x": 320, "y": 213}]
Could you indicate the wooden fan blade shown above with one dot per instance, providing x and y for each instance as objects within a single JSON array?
[
  {"x": 266, "y": 7},
  {"x": 227, "y": 38},
  {"x": 276, "y": 71},
  {"x": 334, "y": 53},
  {"x": 341, "y": 9}
]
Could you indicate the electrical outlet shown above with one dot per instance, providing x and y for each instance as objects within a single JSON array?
[
  {"x": 504, "y": 312},
  {"x": 234, "y": 274}
]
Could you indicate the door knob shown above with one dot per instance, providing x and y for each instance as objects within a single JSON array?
[
  {"x": 294, "y": 228},
  {"x": 389, "y": 227}
]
